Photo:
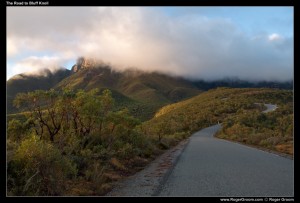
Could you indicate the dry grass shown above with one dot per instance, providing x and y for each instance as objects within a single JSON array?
[
  {"x": 116, "y": 164},
  {"x": 285, "y": 148},
  {"x": 111, "y": 176},
  {"x": 138, "y": 162},
  {"x": 79, "y": 188}
]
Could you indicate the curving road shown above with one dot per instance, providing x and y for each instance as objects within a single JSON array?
[
  {"x": 270, "y": 107},
  {"x": 213, "y": 167}
]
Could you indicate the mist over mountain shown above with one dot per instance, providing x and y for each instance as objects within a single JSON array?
[
  {"x": 145, "y": 80},
  {"x": 138, "y": 90},
  {"x": 175, "y": 41}
]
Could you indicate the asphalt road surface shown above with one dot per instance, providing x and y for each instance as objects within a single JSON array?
[
  {"x": 270, "y": 107},
  {"x": 213, "y": 167}
]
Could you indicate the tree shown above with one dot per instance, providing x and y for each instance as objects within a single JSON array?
[
  {"x": 121, "y": 124},
  {"x": 51, "y": 111},
  {"x": 44, "y": 110}
]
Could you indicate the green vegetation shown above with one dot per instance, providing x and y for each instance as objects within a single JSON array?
[
  {"x": 26, "y": 83},
  {"x": 273, "y": 130},
  {"x": 78, "y": 142},
  {"x": 39, "y": 168},
  {"x": 96, "y": 125},
  {"x": 142, "y": 93},
  {"x": 71, "y": 138},
  {"x": 242, "y": 119}
]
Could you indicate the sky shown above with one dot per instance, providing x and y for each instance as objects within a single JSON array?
[{"x": 210, "y": 43}]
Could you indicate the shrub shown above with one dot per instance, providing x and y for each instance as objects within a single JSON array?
[
  {"x": 15, "y": 130},
  {"x": 125, "y": 151},
  {"x": 40, "y": 169}
]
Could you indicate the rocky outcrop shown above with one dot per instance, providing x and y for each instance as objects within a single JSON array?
[{"x": 83, "y": 63}]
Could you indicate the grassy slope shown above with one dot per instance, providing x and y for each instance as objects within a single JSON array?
[
  {"x": 143, "y": 93},
  {"x": 243, "y": 120},
  {"x": 178, "y": 120}
]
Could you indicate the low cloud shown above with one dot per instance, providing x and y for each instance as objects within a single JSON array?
[
  {"x": 188, "y": 45},
  {"x": 36, "y": 65},
  {"x": 274, "y": 37}
]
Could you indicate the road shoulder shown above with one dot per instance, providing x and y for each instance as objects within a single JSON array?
[{"x": 148, "y": 181}]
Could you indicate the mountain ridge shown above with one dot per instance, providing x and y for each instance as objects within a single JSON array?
[
  {"x": 133, "y": 88},
  {"x": 23, "y": 83}
]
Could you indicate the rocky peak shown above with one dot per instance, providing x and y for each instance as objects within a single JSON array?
[{"x": 83, "y": 63}]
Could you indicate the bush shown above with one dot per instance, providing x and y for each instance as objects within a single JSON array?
[
  {"x": 126, "y": 151},
  {"x": 15, "y": 129},
  {"x": 39, "y": 169}
]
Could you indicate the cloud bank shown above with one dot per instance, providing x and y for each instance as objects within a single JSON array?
[{"x": 189, "y": 45}]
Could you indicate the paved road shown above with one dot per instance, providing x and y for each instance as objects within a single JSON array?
[
  {"x": 270, "y": 107},
  {"x": 213, "y": 167}
]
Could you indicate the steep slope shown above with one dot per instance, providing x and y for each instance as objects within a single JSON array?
[
  {"x": 141, "y": 86},
  {"x": 26, "y": 83},
  {"x": 146, "y": 91},
  {"x": 154, "y": 87},
  {"x": 141, "y": 92}
]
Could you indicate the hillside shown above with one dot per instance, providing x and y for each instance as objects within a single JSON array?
[
  {"x": 150, "y": 91},
  {"x": 141, "y": 92},
  {"x": 147, "y": 87},
  {"x": 237, "y": 83},
  {"x": 26, "y": 83},
  {"x": 242, "y": 119},
  {"x": 98, "y": 145}
]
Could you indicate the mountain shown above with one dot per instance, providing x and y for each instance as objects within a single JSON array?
[
  {"x": 149, "y": 91},
  {"x": 143, "y": 93},
  {"x": 26, "y": 83},
  {"x": 237, "y": 83},
  {"x": 138, "y": 85}
]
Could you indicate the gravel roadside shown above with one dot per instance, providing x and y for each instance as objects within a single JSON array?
[{"x": 148, "y": 181}]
